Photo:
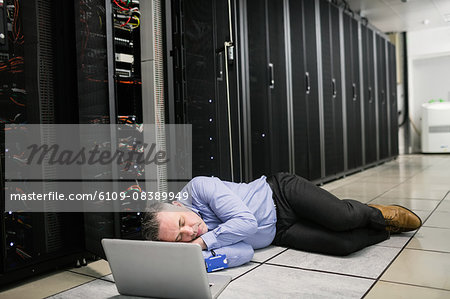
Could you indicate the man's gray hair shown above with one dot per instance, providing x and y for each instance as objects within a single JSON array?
[{"x": 150, "y": 223}]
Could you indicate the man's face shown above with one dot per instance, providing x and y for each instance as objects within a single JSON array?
[{"x": 180, "y": 225}]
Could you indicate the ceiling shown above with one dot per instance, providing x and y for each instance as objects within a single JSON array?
[{"x": 403, "y": 15}]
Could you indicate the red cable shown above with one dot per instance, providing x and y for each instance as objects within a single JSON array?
[
  {"x": 126, "y": 22},
  {"x": 17, "y": 103},
  {"x": 123, "y": 8}
]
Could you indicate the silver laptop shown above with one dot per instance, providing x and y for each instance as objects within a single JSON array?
[{"x": 161, "y": 269}]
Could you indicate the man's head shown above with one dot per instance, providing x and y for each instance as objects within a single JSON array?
[{"x": 172, "y": 223}]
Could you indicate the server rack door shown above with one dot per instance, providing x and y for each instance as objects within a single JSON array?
[
  {"x": 337, "y": 90},
  {"x": 268, "y": 102},
  {"x": 200, "y": 100},
  {"x": 352, "y": 101},
  {"x": 233, "y": 63},
  {"x": 278, "y": 119},
  {"x": 300, "y": 83},
  {"x": 312, "y": 94},
  {"x": 369, "y": 95},
  {"x": 201, "y": 85},
  {"x": 31, "y": 243},
  {"x": 93, "y": 103},
  {"x": 349, "y": 88},
  {"x": 222, "y": 34},
  {"x": 332, "y": 97},
  {"x": 258, "y": 63},
  {"x": 383, "y": 133},
  {"x": 393, "y": 99},
  {"x": 356, "y": 100},
  {"x": 338, "y": 166},
  {"x": 328, "y": 87}
]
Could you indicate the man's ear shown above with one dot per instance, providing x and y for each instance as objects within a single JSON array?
[{"x": 177, "y": 203}]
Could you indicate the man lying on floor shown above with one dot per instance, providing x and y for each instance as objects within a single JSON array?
[{"x": 283, "y": 209}]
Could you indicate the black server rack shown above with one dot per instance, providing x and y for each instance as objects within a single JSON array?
[
  {"x": 93, "y": 100},
  {"x": 314, "y": 143},
  {"x": 31, "y": 243},
  {"x": 383, "y": 130},
  {"x": 199, "y": 30},
  {"x": 370, "y": 129},
  {"x": 109, "y": 92},
  {"x": 267, "y": 87},
  {"x": 305, "y": 99},
  {"x": 332, "y": 89},
  {"x": 277, "y": 124},
  {"x": 352, "y": 92},
  {"x": 392, "y": 100}
]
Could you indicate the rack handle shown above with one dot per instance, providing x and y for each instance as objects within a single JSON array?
[
  {"x": 333, "y": 84},
  {"x": 271, "y": 76},
  {"x": 308, "y": 83},
  {"x": 220, "y": 66}
]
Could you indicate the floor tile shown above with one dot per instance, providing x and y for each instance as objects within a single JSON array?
[
  {"x": 424, "y": 179},
  {"x": 382, "y": 179},
  {"x": 447, "y": 196},
  {"x": 431, "y": 238},
  {"x": 412, "y": 204},
  {"x": 415, "y": 193},
  {"x": 369, "y": 262},
  {"x": 339, "y": 183},
  {"x": 418, "y": 186},
  {"x": 270, "y": 281},
  {"x": 233, "y": 272},
  {"x": 44, "y": 286},
  {"x": 439, "y": 219},
  {"x": 108, "y": 277},
  {"x": 444, "y": 206},
  {"x": 99, "y": 289},
  {"x": 264, "y": 254},
  {"x": 400, "y": 173},
  {"x": 238, "y": 271},
  {"x": 96, "y": 269},
  {"x": 384, "y": 289},
  {"x": 421, "y": 268},
  {"x": 364, "y": 189},
  {"x": 397, "y": 240}
]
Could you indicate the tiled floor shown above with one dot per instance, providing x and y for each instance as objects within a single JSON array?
[{"x": 410, "y": 265}]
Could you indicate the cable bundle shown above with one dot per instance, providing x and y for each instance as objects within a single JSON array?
[{"x": 131, "y": 14}]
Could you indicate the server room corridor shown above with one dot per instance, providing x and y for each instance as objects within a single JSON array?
[{"x": 409, "y": 265}]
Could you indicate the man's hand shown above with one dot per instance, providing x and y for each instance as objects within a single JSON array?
[{"x": 199, "y": 241}]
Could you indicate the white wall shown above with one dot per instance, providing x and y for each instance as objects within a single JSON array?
[
  {"x": 429, "y": 43},
  {"x": 429, "y": 74}
]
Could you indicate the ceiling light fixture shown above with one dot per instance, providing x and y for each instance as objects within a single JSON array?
[{"x": 426, "y": 22}]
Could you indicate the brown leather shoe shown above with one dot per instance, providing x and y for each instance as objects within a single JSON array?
[{"x": 399, "y": 219}]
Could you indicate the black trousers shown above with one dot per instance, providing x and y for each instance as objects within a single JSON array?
[{"x": 312, "y": 219}]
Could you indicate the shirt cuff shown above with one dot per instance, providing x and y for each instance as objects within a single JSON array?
[{"x": 210, "y": 240}]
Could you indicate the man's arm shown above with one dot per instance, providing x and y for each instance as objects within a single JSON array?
[
  {"x": 237, "y": 254},
  {"x": 200, "y": 242},
  {"x": 238, "y": 221}
]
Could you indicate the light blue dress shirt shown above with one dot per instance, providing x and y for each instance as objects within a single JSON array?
[{"x": 240, "y": 217}]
